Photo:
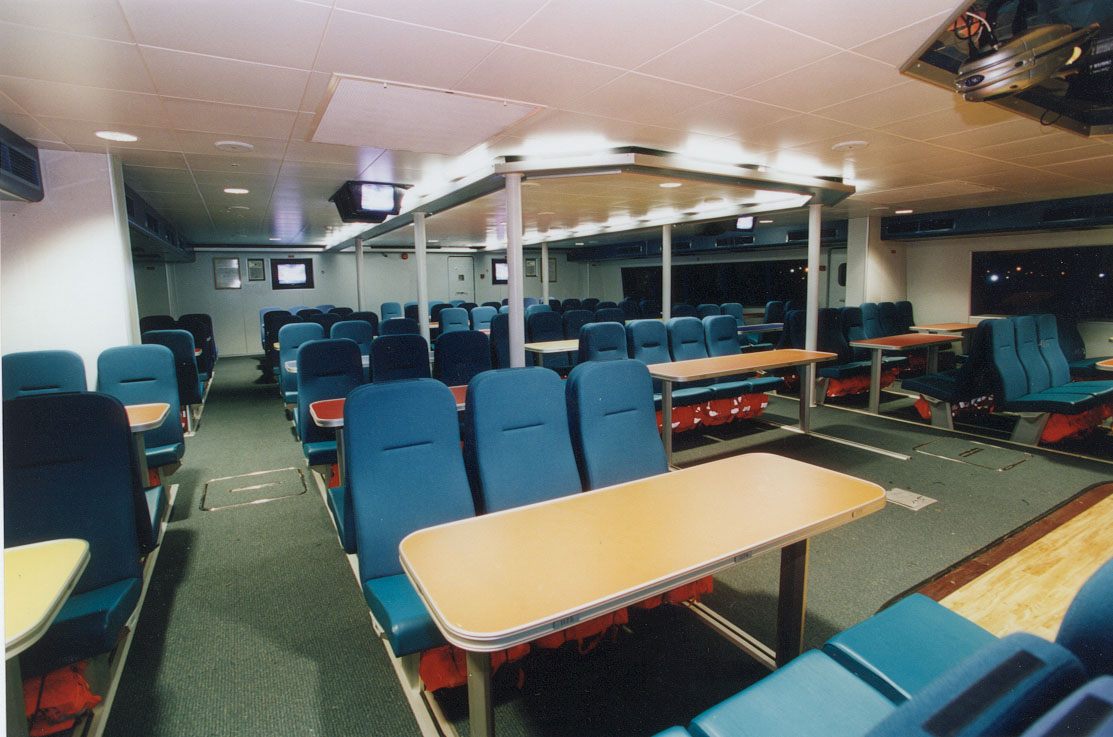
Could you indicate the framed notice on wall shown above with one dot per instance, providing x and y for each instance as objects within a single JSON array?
[
  {"x": 531, "y": 267},
  {"x": 226, "y": 273},
  {"x": 552, "y": 269},
  {"x": 256, "y": 269}
]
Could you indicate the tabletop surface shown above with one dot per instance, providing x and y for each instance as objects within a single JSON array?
[
  {"x": 761, "y": 327},
  {"x": 37, "y": 579},
  {"x": 330, "y": 412},
  {"x": 707, "y": 368},
  {"x": 500, "y": 579},
  {"x": 1106, "y": 365},
  {"x": 953, "y": 326},
  {"x": 143, "y": 417},
  {"x": 553, "y": 346},
  {"x": 898, "y": 342}
]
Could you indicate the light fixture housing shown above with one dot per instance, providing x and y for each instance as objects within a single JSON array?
[
  {"x": 368, "y": 202},
  {"x": 117, "y": 136},
  {"x": 236, "y": 190}
]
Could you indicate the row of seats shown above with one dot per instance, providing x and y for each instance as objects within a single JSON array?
[
  {"x": 918, "y": 668},
  {"x": 416, "y": 470},
  {"x": 197, "y": 324}
]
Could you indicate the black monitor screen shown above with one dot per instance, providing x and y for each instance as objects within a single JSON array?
[
  {"x": 291, "y": 273},
  {"x": 500, "y": 272}
]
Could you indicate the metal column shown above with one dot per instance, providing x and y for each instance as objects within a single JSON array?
[
  {"x": 807, "y": 383},
  {"x": 545, "y": 272},
  {"x": 422, "y": 274},
  {"x": 666, "y": 271},
  {"x": 359, "y": 272},
  {"x": 514, "y": 266}
]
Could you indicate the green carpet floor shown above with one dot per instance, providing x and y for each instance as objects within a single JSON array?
[{"x": 254, "y": 624}]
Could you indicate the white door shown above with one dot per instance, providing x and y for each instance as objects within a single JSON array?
[
  {"x": 461, "y": 278},
  {"x": 836, "y": 278}
]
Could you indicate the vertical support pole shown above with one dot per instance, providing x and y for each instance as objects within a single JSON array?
[
  {"x": 481, "y": 714},
  {"x": 516, "y": 317},
  {"x": 359, "y": 272},
  {"x": 666, "y": 272},
  {"x": 791, "y": 601},
  {"x": 807, "y": 376},
  {"x": 422, "y": 274},
  {"x": 545, "y": 272}
]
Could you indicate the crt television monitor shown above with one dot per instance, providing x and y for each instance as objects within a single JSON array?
[
  {"x": 291, "y": 273},
  {"x": 500, "y": 272}
]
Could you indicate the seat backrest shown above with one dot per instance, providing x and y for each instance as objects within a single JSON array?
[
  {"x": 387, "y": 310},
  {"x": 326, "y": 320},
  {"x": 630, "y": 308},
  {"x": 69, "y": 471},
  {"x": 403, "y": 474},
  {"x": 453, "y": 318},
  {"x": 202, "y": 339},
  {"x": 707, "y": 310},
  {"x": 344, "y": 312},
  {"x": 1048, "y": 333},
  {"x": 544, "y": 325},
  {"x": 605, "y": 305},
  {"x": 905, "y": 319},
  {"x": 142, "y": 374},
  {"x": 298, "y": 308},
  {"x": 459, "y": 355},
  {"x": 572, "y": 320},
  {"x": 404, "y": 356},
  {"x": 410, "y": 311},
  {"x": 327, "y": 369},
  {"x": 1074, "y": 347},
  {"x": 325, "y": 307},
  {"x": 157, "y": 322},
  {"x": 494, "y": 304},
  {"x": 528, "y": 301},
  {"x": 871, "y": 320},
  {"x": 290, "y": 338},
  {"x": 1087, "y": 626},
  {"x": 399, "y": 326},
  {"x": 887, "y": 314},
  {"x": 457, "y": 302},
  {"x": 570, "y": 304},
  {"x": 795, "y": 304},
  {"x": 307, "y": 312},
  {"x": 686, "y": 339},
  {"x": 435, "y": 310},
  {"x": 468, "y": 306},
  {"x": 42, "y": 372},
  {"x": 589, "y": 303},
  {"x": 683, "y": 310},
  {"x": 774, "y": 311},
  {"x": 1010, "y": 380},
  {"x": 262, "y": 321},
  {"x": 1028, "y": 351},
  {"x": 829, "y": 334},
  {"x": 359, "y": 332},
  {"x": 368, "y": 317},
  {"x": 180, "y": 343},
  {"x": 516, "y": 438},
  {"x": 720, "y": 334},
  {"x": 735, "y": 310},
  {"x": 500, "y": 340},
  {"x": 272, "y": 323},
  {"x": 795, "y": 332},
  {"x": 481, "y": 317},
  {"x": 610, "y": 314},
  {"x": 852, "y": 330},
  {"x": 554, "y": 304},
  {"x": 602, "y": 341},
  {"x": 612, "y": 422},
  {"x": 535, "y": 308},
  {"x": 649, "y": 308},
  {"x": 504, "y": 310},
  {"x": 207, "y": 319},
  {"x": 648, "y": 341}
]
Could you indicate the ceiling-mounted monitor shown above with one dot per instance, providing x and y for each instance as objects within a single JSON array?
[{"x": 368, "y": 202}]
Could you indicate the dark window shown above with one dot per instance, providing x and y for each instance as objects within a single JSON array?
[
  {"x": 748, "y": 282},
  {"x": 1070, "y": 282}
]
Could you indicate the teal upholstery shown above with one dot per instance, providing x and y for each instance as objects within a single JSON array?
[
  {"x": 69, "y": 472},
  {"x": 812, "y": 696},
  {"x": 340, "y": 506},
  {"x": 1087, "y": 627},
  {"x": 544, "y": 326},
  {"x": 360, "y": 332},
  {"x": 141, "y": 374},
  {"x": 905, "y": 319},
  {"x": 774, "y": 311},
  {"x": 460, "y": 355},
  {"x": 1000, "y": 689},
  {"x": 674, "y": 732},
  {"x": 533, "y": 309},
  {"x": 389, "y": 310},
  {"x": 707, "y": 310},
  {"x": 721, "y": 337},
  {"x": 181, "y": 344},
  {"x": 648, "y": 341},
  {"x": 887, "y": 315},
  {"x": 609, "y": 314},
  {"x": 404, "y": 472},
  {"x": 516, "y": 427},
  {"x": 399, "y": 326},
  {"x": 481, "y": 317},
  {"x": 572, "y": 321},
  {"x": 500, "y": 340},
  {"x": 570, "y": 304},
  {"x": 871, "y": 320},
  {"x": 901, "y": 649},
  {"x": 602, "y": 341},
  {"x": 290, "y": 338},
  {"x": 612, "y": 423},
  {"x": 1088, "y": 712},
  {"x": 394, "y": 357},
  {"x": 453, "y": 319},
  {"x": 368, "y": 317},
  {"x": 1011, "y": 389},
  {"x": 39, "y": 372},
  {"x": 683, "y": 310},
  {"x": 327, "y": 369},
  {"x": 631, "y": 309}
]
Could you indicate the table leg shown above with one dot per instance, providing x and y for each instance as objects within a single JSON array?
[
  {"x": 875, "y": 381},
  {"x": 17, "y": 721},
  {"x": 807, "y": 387},
  {"x": 791, "y": 601},
  {"x": 933, "y": 359},
  {"x": 340, "y": 455},
  {"x": 481, "y": 713},
  {"x": 666, "y": 419},
  {"x": 141, "y": 456}
]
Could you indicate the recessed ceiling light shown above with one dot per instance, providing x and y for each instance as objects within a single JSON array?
[
  {"x": 765, "y": 222},
  {"x": 274, "y": 239},
  {"x": 238, "y": 207},
  {"x": 903, "y": 212},
  {"x": 669, "y": 185},
  {"x": 547, "y": 212},
  {"x": 118, "y": 136},
  {"x": 849, "y": 145},
  {"x": 234, "y": 146},
  {"x": 236, "y": 190},
  {"x": 579, "y": 243},
  {"x": 432, "y": 241}
]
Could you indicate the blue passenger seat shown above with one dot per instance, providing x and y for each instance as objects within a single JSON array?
[
  {"x": 42, "y": 372},
  {"x": 459, "y": 355},
  {"x": 327, "y": 369},
  {"x": 602, "y": 341},
  {"x": 396, "y": 357}
]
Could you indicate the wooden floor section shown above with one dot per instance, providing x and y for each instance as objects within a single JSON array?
[{"x": 1026, "y": 583}]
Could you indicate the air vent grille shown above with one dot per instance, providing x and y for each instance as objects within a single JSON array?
[
  {"x": 736, "y": 240},
  {"x": 20, "y": 165},
  {"x": 629, "y": 250},
  {"x": 802, "y": 235},
  {"x": 682, "y": 246},
  {"x": 937, "y": 224}
]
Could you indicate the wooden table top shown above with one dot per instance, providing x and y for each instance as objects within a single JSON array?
[
  {"x": 37, "y": 580},
  {"x": 762, "y": 327},
  {"x": 1106, "y": 365},
  {"x": 954, "y": 327},
  {"x": 501, "y": 579},
  {"x": 330, "y": 412},
  {"x": 709, "y": 368},
  {"x": 553, "y": 346},
  {"x": 144, "y": 417},
  {"x": 902, "y": 342}
]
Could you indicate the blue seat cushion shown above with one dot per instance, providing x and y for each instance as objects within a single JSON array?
[
  {"x": 88, "y": 624},
  {"x": 685, "y": 397},
  {"x": 1086, "y": 712},
  {"x": 812, "y": 696},
  {"x": 674, "y": 732},
  {"x": 845, "y": 370},
  {"x": 156, "y": 506},
  {"x": 164, "y": 455},
  {"x": 402, "y": 615},
  {"x": 728, "y": 389},
  {"x": 901, "y": 649},
  {"x": 340, "y": 504},
  {"x": 1058, "y": 402},
  {"x": 320, "y": 453},
  {"x": 942, "y": 386},
  {"x": 998, "y": 690}
]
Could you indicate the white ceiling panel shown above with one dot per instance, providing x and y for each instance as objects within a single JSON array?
[
  {"x": 824, "y": 83},
  {"x": 1097, "y": 170},
  {"x": 34, "y": 53},
  {"x": 876, "y": 109},
  {"x": 736, "y": 54},
  {"x": 199, "y": 77},
  {"x": 79, "y": 17},
  {"x": 377, "y": 48},
  {"x": 497, "y": 19},
  {"x": 855, "y": 22},
  {"x": 202, "y": 142},
  {"x": 898, "y": 47},
  {"x": 798, "y": 131},
  {"x": 225, "y": 162},
  {"x": 1089, "y": 150},
  {"x": 516, "y": 73},
  {"x": 80, "y": 133},
  {"x": 234, "y": 120},
  {"x": 642, "y": 99},
  {"x": 964, "y": 118},
  {"x": 281, "y": 32},
  {"x": 57, "y": 100},
  {"x": 622, "y": 33}
]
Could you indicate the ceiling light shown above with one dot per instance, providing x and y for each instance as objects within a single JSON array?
[
  {"x": 764, "y": 222},
  {"x": 849, "y": 145},
  {"x": 274, "y": 239},
  {"x": 669, "y": 185},
  {"x": 236, "y": 190},
  {"x": 234, "y": 146},
  {"x": 903, "y": 212},
  {"x": 118, "y": 136}
]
